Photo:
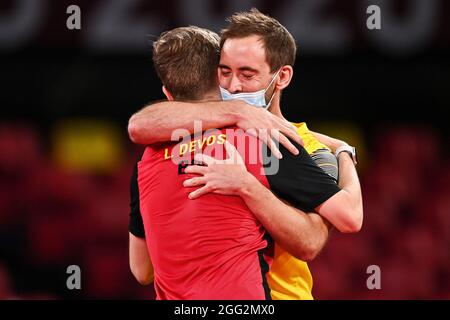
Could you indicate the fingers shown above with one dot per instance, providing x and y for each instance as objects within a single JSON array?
[
  {"x": 203, "y": 158},
  {"x": 293, "y": 135},
  {"x": 194, "y": 182},
  {"x": 281, "y": 138},
  {"x": 233, "y": 154},
  {"x": 252, "y": 132},
  {"x": 284, "y": 124},
  {"x": 289, "y": 130},
  {"x": 291, "y": 126},
  {"x": 264, "y": 137},
  {"x": 196, "y": 170},
  {"x": 267, "y": 139},
  {"x": 199, "y": 192}
]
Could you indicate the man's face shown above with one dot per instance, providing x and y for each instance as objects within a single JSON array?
[{"x": 243, "y": 66}]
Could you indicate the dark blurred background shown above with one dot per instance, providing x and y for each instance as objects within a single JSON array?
[{"x": 66, "y": 160}]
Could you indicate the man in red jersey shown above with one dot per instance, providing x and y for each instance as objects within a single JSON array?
[{"x": 210, "y": 248}]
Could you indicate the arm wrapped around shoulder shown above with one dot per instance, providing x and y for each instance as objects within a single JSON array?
[{"x": 327, "y": 161}]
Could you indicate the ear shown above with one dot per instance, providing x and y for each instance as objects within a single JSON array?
[
  {"x": 167, "y": 94},
  {"x": 285, "y": 77}
]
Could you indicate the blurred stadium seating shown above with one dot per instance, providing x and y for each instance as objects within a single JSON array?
[{"x": 54, "y": 214}]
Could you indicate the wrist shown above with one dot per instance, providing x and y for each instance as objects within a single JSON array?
[
  {"x": 344, "y": 155},
  {"x": 337, "y": 145},
  {"x": 248, "y": 186},
  {"x": 349, "y": 151}
]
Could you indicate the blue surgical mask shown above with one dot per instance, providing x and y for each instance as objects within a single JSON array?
[{"x": 257, "y": 99}]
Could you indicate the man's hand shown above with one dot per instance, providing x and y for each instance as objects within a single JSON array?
[
  {"x": 226, "y": 177},
  {"x": 268, "y": 128}
]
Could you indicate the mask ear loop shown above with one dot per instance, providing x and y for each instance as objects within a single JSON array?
[
  {"x": 273, "y": 94},
  {"x": 270, "y": 102}
]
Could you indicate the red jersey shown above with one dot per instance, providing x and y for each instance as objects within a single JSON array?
[
  {"x": 209, "y": 248},
  {"x": 213, "y": 247}
]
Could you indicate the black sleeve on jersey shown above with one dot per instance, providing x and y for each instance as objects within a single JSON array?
[
  {"x": 299, "y": 180},
  {"x": 135, "y": 225}
]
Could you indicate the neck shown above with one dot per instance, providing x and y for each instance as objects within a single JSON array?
[
  {"x": 275, "y": 107},
  {"x": 211, "y": 96}
]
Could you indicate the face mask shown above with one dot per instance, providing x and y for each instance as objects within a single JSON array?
[{"x": 257, "y": 99}]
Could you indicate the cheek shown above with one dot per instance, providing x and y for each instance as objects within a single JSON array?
[
  {"x": 224, "y": 82},
  {"x": 251, "y": 86}
]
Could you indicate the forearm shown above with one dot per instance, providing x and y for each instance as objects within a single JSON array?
[
  {"x": 140, "y": 263},
  {"x": 155, "y": 123},
  {"x": 349, "y": 183},
  {"x": 331, "y": 143},
  {"x": 303, "y": 235}
]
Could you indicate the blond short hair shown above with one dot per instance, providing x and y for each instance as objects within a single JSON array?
[{"x": 186, "y": 61}]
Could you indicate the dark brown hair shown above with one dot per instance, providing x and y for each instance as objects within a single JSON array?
[{"x": 278, "y": 42}]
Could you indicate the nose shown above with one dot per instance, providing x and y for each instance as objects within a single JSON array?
[{"x": 235, "y": 85}]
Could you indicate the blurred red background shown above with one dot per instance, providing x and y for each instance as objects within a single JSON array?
[{"x": 66, "y": 160}]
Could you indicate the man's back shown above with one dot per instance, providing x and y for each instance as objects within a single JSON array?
[{"x": 209, "y": 248}]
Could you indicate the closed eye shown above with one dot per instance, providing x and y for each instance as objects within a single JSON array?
[
  {"x": 248, "y": 76},
  {"x": 225, "y": 73}
]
